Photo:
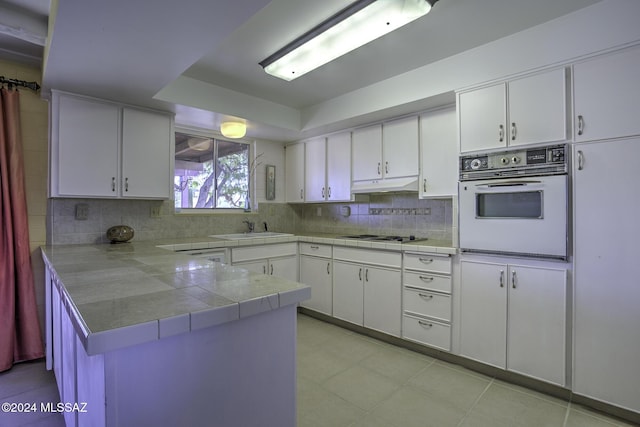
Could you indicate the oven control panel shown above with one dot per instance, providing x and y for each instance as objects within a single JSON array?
[{"x": 548, "y": 160}]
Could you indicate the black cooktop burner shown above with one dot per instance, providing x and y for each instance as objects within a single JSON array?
[{"x": 375, "y": 237}]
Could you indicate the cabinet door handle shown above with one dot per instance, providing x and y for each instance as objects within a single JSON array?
[
  {"x": 426, "y": 296},
  {"x": 386, "y": 167},
  {"x": 360, "y": 274},
  {"x": 424, "y": 185},
  {"x": 323, "y": 192},
  {"x": 513, "y": 279},
  {"x": 580, "y": 124},
  {"x": 301, "y": 195},
  {"x": 328, "y": 265},
  {"x": 271, "y": 270},
  {"x": 329, "y": 192},
  {"x": 264, "y": 269},
  {"x": 426, "y": 278},
  {"x": 426, "y": 260},
  {"x": 366, "y": 274},
  {"x": 425, "y": 324},
  {"x": 502, "y": 278},
  {"x": 580, "y": 160},
  {"x": 126, "y": 184},
  {"x": 378, "y": 168},
  {"x": 113, "y": 183},
  {"x": 500, "y": 133},
  {"x": 514, "y": 131}
]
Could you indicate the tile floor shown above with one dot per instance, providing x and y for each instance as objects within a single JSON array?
[{"x": 349, "y": 380}]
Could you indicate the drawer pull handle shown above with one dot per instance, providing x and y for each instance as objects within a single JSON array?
[
  {"x": 427, "y": 278},
  {"x": 426, "y": 260},
  {"x": 425, "y": 324},
  {"x": 314, "y": 247},
  {"x": 426, "y": 296}
]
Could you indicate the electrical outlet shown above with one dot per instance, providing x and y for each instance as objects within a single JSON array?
[
  {"x": 82, "y": 211},
  {"x": 155, "y": 212}
]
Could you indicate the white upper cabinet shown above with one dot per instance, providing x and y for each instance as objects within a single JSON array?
[
  {"x": 367, "y": 153},
  {"x": 482, "y": 116},
  {"x": 85, "y": 148},
  {"x": 538, "y": 108},
  {"x": 386, "y": 151},
  {"x": 315, "y": 172},
  {"x": 400, "y": 148},
  {"x": 339, "y": 166},
  {"x": 147, "y": 139},
  {"x": 438, "y": 153},
  {"x": 606, "y": 93},
  {"x": 294, "y": 170},
  {"x": 528, "y": 110},
  {"x": 105, "y": 150},
  {"x": 328, "y": 168}
]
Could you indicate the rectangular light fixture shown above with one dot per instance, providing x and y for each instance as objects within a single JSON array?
[{"x": 352, "y": 27}]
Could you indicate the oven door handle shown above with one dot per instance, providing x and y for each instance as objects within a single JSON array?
[{"x": 508, "y": 184}]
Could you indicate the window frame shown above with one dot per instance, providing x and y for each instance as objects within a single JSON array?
[{"x": 216, "y": 136}]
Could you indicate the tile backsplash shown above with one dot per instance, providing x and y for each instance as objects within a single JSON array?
[{"x": 389, "y": 213}]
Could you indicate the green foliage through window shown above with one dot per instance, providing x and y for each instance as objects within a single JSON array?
[{"x": 210, "y": 173}]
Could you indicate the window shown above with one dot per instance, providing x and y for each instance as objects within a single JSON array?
[{"x": 210, "y": 173}]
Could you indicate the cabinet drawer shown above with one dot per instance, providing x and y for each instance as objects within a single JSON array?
[
  {"x": 428, "y": 281},
  {"x": 315, "y": 249},
  {"x": 427, "y": 332},
  {"x": 428, "y": 262},
  {"x": 368, "y": 256},
  {"x": 427, "y": 303},
  {"x": 263, "y": 251}
]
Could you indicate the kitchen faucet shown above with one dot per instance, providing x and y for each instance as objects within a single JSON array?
[{"x": 250, "y": 225}]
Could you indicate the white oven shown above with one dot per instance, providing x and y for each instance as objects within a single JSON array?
[{"x": 515, "y": 202}]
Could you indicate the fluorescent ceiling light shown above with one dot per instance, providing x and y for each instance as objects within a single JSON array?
[
  {"x": 352, "y": 27},
  {"x": 233, "y": 129}
]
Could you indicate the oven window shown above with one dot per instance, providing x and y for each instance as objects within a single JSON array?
[{"x": 527, "y": 204}]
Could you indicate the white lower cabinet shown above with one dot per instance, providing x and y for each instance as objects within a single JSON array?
[
  {"x": 514, "y": 317},
  {"x": 316, "y": 268},
  {"x": 280, "y": 259},
  {"x": 365, "y": 294},
  {"x": 426, "y": 299}
]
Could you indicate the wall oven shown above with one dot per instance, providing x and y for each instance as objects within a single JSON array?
[{"x": 515, "y": 202}]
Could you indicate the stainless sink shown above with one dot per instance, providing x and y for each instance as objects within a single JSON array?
[{"x": 256, "y": 235}]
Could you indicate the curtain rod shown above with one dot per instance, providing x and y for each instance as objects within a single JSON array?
[{"x": 13, "y": 82}]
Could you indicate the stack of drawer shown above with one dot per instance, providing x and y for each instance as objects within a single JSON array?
[{"x": 426, "y": 299}]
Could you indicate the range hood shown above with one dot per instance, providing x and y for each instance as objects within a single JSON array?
[{"x": 384, "y": 185}]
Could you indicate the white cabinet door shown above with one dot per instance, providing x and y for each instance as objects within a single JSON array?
[
  {"x": 316, "y": 272},
  {"x": 483, "y": 312},
  {"x": 538, "y": 108},
  {"x": 606, "y": 314},
  {"x": 339, "y": 167},
  {"x": 315, "y": 170},
  {"x": 482, "y": 118},
  {"x": 294, "y": 170},
  {"x": 439, "y": 153},
  {"x": 382, "y": 307},
  {"x": 146, "y": 154},
  {"x": 348, "y": 281},
  {"x": 536, "y": 337},
  {"x": 400, "y": 147},
  {"x": 260, "y": 266},
  {"x": 367, "y": 153},
  {"x": 86, "y": 162},
  {"x": 286, "y": 267},
  {"x": 606, "y": 94}
]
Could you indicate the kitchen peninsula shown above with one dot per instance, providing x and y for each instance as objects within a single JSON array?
[{"x": 145, "y": 336}]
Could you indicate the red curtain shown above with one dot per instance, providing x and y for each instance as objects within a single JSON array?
[{"x": 20, "y": 338}]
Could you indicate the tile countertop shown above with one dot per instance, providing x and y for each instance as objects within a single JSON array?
[
  {"x": 125, "y": 294},
  {"x": 426, "y": 245}
]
